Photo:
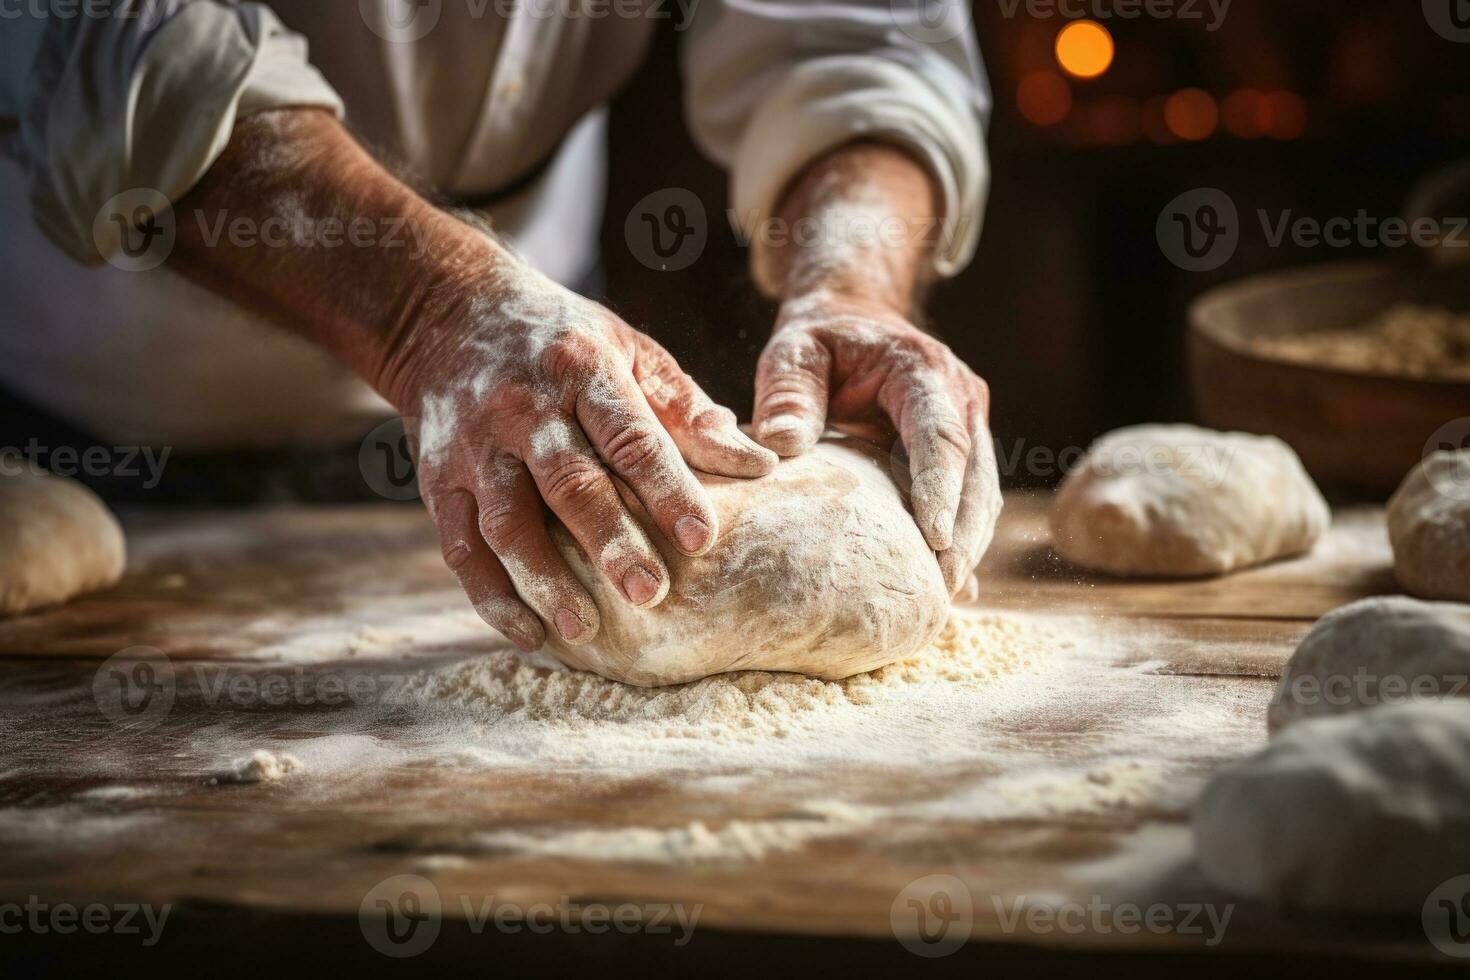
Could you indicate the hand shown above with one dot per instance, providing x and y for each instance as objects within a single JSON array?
[
  {"x": 860, "y": 362},
  {"x": 527, "y": 396},
  {"x": 531, "y": 397}
]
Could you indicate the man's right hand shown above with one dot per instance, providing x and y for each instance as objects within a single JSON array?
[{"x": 529, "y": 399}]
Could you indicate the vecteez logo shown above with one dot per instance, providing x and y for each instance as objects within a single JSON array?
[
  {"x": 933, "y": 916},
  {"x": 1450, "y": 19},
  {"x": 1199, "y": 230},
  {"x": 135, "y": 230},
  {"x": 400, "y": 21},
  {"x": 135, "y": 688},
  {"x": 401, "y": 916},
  {"x": 667, "y": 230}
]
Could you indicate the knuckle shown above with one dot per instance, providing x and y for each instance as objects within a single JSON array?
[
  {"x": 568, "y": 358},
  {"x": 633, "y": 450},
  {"x": 714, "y": 417},
  {"x": 947, "y": 431},
  {"x": 573, "y": 482},
  {"x": 503, "y": 526},
  {"x": 455, "y": 551}
]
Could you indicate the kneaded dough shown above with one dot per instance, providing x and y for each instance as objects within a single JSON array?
[
  {"x": 1359, "y": 813},
  {"x": 819, "y": 569},
  {"x": 57, "y": 541},
  {"x": 1429, "y": 526},
  {"x": 1176, "y": 500},
  {"x": 1387, "y": 650}
]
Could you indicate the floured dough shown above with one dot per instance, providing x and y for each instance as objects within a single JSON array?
[
  {"x": 1376, "y": 651},
  {"x": 57, "y": 541},
  {"x": 1360, "y": 813},
  {"x": 1429, "y": 526},
  {"x": 1176, "y": 500},
  {"x": 819, "y": 569}
]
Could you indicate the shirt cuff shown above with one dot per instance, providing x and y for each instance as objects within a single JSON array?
[
  {"x": 117, "y": 105},
  {"x": 822, "y": 104}
]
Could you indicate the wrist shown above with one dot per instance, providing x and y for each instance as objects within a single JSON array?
[
  {"x": 857, "y": 227},
  {"x": 429, "y": 318}
]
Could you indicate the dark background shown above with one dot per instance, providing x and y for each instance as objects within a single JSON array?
[{"x": 1070, "y": 310}]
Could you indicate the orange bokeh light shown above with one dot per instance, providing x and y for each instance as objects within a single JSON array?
[
  {"x": 1044, "y": 98},
  {"x": 1084, "y": 48},
  {"x": 1288, "y": 115},
  {"x": 1245, "y": 114},
  {"x": 1191, "y": 114}
]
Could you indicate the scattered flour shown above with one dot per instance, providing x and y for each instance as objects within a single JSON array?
[
  {"x": 971, "y": 649},
  {"x": 695, "y": 843},
  {"x": 261, "y": 766}
]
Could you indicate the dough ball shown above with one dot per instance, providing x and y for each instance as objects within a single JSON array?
[
  {"x": 57, "y": 541},
  {"x": 1360, "y": 813},
  {"x": 1373, "y": 652},
  {"x": 1176, "y": 500},
  {"x": 819, "y": 569},
  {"x": 1429, "y": 526}
]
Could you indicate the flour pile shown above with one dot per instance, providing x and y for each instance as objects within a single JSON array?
[
  {"x": 1408, "y": 340},
  {"x": 970, "y": 649},
  {"x": 977, "y": 667}
]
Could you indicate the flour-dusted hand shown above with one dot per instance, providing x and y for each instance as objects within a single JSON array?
[
  {"x": 853, "y": 245},
  {"x": 531, "y": 398},
  {"x": 525, "y": 399},
  {"x": 859, "y": 363}
]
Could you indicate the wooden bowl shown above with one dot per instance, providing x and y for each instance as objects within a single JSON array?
[{"x": 1354, "y": 430}]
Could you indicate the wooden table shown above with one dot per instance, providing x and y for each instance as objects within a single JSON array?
[{"x": 94, "y": 807}]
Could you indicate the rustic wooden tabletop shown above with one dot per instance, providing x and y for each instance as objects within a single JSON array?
[{"x": 1109, "y": 746}]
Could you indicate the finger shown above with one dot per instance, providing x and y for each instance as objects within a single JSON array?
[
  {"x": 480, "y": 573},
  {"x": 635, "y": 446},
  {"x": 512, "y": 520},
  {"x": 791, "y": 384},
  {"x": 979, "y": 508},
  {"x": 705, "y": 433},
  {"x": 577, "y": 488},
  {"x": 938, "y": 442}
]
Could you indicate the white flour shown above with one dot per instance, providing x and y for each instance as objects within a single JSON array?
[
  {"x": 1007, "y": 716},
  {"x": 755, "y": 709}
]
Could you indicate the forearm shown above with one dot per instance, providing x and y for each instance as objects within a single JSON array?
[
  {"x": 860, "y": 222},
  {"x": 298, "y": 222}
]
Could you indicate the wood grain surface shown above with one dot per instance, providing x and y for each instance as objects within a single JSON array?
[{"x": 91, "y": 805}]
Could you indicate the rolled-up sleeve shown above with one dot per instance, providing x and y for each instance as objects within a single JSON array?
[
  {"x": 773, "y": 84},
  {"x": 101, "y": 97}
]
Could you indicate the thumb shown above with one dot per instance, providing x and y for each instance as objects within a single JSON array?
[{"x": 791, "y": 383}]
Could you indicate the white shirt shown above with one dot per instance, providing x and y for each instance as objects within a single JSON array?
[{"x": 470, "y": 94}]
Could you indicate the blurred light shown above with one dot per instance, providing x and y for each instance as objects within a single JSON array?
[
  {"x": 1191, "y": 114},
  {"x": 1111, "y": 120},
  {"x": 1044, "y": 98},
  {"x": 1084, "y": 48},
  {"x": 1288, "y": 115},
  {"x": 1154, "y": 127},
  {"x": 1245, "y": 114}
]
